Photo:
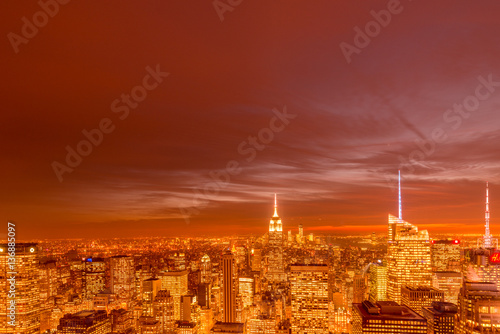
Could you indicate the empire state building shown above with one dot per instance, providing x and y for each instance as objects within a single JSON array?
[{"x": 275, "y": 272}]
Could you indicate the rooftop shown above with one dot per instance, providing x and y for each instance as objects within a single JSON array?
[{"x": 386, "y": 310}]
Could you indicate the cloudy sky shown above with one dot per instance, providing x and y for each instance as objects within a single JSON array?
[{"x": 200, "y": 111}]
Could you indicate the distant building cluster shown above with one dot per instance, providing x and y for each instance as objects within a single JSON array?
[{"x": 276, "y": 283}]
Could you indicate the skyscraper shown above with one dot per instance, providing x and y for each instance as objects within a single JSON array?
[
  {"x": 483, "y": 267},
  {"x": 445, "y": 255},
  {"x": 359, "y": 288},
  {"x": 309, "y": 291},
  {"x": 408, "y": 256},
  {"x": 378, "y": 282},
  {"x": 449, "y": 282},
  {"x": 408, "y": 260},
  {"x": 229, "y": 293},
  {"x": 256, "y": 259},
  {"x": 123, "y": 278},
  {"x": 206, "y": 269},
  {"x": 440, "y": 318},
  {"x": 275, "y": 270},
  {"x": 246, "y": 290},
  {"x": 150, "y": 289},
  {"x": 24, "y": 290},
  {"x": 93, "y": 276},
  {"x": 478, "y": 308},
  {"x": 176, "y": 282},
  {"x": 417, "y": 298},
  {"x": 163, "y": 307}
]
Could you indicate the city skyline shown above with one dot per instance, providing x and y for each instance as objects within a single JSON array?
[
  {"x": 324, "y": 230},
  {"x": 174, "y": 120},
  {"x": 250, "y": 167}
]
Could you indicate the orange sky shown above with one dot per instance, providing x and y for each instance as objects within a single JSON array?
[{"x": 329, "y": 131}]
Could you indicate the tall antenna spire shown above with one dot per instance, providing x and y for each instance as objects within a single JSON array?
[
  {"x": 487, "y": 235},
  {"x": 275, "y": 206},
  {"x": 399, "y": 187}
]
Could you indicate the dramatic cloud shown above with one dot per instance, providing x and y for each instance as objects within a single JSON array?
[{"x": 333, "y": 164}]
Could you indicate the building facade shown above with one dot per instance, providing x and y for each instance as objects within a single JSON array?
[
  {"x": 309, "y": 298},
  {"x": 478, "y": 308},
  {"x": 20, "y": 292},
  {"x": 386, "y": 318},
  {"x": 275, "y": 271},
  {"x": 421, "y": 296},
  {"x": 440, "y": 318},
  {"x": 408, "y": 258}
]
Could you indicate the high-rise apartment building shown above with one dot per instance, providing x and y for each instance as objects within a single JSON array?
[
  {"x": 275, "y": 272},
  {"x": 386, "y": 318},
  {"x": 20, "y": 292},
  {"x": 309, "y": 292}
]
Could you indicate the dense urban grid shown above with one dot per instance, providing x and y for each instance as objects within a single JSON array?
[{"x": 405, "y": 281}]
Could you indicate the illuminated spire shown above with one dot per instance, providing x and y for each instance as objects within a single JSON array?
[
  {"x": 275, "y": 206},
  {"x": 399, "y": 187},
  {"x": 487, "y": 235}
]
